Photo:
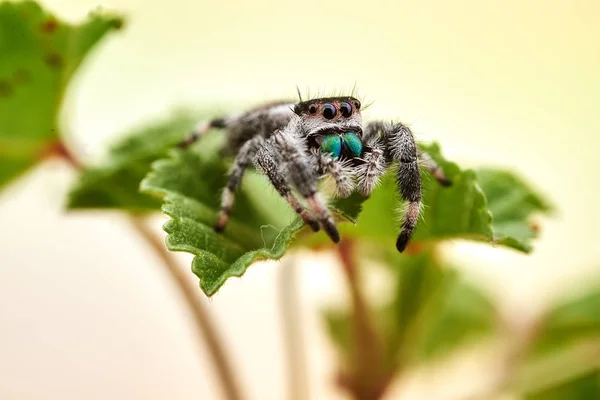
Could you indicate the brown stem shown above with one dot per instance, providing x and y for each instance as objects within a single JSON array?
[
  {"x": 369, "y": 379},
  {"x": 189, "y": 292},
  {"x": 292, "y": 331}
]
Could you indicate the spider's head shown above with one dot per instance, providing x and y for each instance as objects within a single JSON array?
[
  {"x": 337, "y": 114},
  {"x": 333, "y": 124}
]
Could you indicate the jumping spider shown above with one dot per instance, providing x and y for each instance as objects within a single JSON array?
[{"x": 295, "y": 145}]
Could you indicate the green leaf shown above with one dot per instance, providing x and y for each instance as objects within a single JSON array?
[
  {"x": 563, "y": 356},
  {"x": 586, "y": 387},
  {"x": 39, "y": 55},
  {"x": 432, "y": 312},
  {"x": 512, "y": 203},
  {"x": 115, "y": 183},
  {"x": 458, "y": 212},
  {"x": 570, "y": 322},
  {"x": 190, "y": 183}
]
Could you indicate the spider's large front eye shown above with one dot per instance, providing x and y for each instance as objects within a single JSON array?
[
  {"x": 328, "y": 111},
  {"x": 346, "y": 110}
]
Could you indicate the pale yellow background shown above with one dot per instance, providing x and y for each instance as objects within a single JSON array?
[{"x": 85, "y": 311}]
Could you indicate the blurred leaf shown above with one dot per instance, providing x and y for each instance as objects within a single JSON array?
[
  {"x": 512, "y": 203},
  {"x": 572, "y": 321},
  {"x": 115, "y": 184},
  {"x": 38, "y": 56},
  {"x": 563, "y": 358},
  {"x": 457, "y": 312},
  {"x": 433, "y": 310},
  {"x": 586, "y": 387}
]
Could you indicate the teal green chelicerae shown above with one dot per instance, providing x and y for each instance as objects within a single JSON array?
[
  {"x": 352, "y": 143},
  {"x": 332, "y": 144}
]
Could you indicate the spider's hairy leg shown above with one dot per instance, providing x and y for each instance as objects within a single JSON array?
[
  {"x": 291, "y": 150},
  {"x": 243, "y": 158},
  {"x": 401, "y": 146},
  {"x": 375, "y": 163},
  {"x": 341, "y": 172},
  {"x": 200, "y": 130},
  {"x": 265, "y": 162},
  {"x": 434, "y": 169}
]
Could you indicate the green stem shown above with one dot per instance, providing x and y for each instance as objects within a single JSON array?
[
  {"x": 189, "y": 292},
  {"x": 368, "y": 380}
]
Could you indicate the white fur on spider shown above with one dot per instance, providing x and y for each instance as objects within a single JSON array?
[
  {"x": 401, "y": 142},
  {"x": 407, "y": 207},
  {"x": 369, "y": 174},
  {"x": 341, "y": 172}
]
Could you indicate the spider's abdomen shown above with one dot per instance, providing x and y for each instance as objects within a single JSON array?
[{"x": 262, "y": 121}]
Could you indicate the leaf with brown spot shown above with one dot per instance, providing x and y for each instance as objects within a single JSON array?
[{"x": 39, "y": 55}]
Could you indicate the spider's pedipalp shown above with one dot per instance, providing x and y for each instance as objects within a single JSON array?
[
  {"x": 373, "y": 167},
  {"x": 341, "y": 171}
]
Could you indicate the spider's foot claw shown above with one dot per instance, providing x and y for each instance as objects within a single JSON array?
[
  {"x": 331, "y": 231},
  {"x": 308, "y": 220},
  {"x": 442, "y": 178},
  {"x": 402, "y": 242},
  {"x": 185, "y": 143},
  {"x": 314, "y": 225},
  {"x": 220, "y": 226},
  {"x": 445, "y": 182}
]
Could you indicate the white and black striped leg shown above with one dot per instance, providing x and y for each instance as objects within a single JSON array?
[
  {"x": 375, "y": 165},
  {"x": 341, "y": 172},
  {"x": 266, "y": 163},
  {"x": 200, "y": 130},
  {"x": 242, "y": 160},
  {"x": 434, "y": 169},
  {"x": 290, "y": 149},
  {"x": 401, "y": 146}
]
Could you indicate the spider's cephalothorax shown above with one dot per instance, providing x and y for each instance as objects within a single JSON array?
[{"x": 295, "y": 145}]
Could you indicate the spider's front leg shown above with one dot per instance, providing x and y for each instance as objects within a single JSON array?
[
  {"x": 265, "y": 161},
  {"x": 291, "y": 151},
  {"x": 395, "y": 143}
]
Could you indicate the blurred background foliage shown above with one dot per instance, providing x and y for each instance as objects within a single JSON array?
[{"x": 430, "y": 310}]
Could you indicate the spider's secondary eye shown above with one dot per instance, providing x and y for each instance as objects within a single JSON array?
[
  {"x": 332, "y": 144},
  {"x": 312, "y": 109},
  {"x": 329, "y": 111},
  {"x": 346, "y": 110},
  {"x": 357, "y": 104},
  {"x": 353, "y": 143}
]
